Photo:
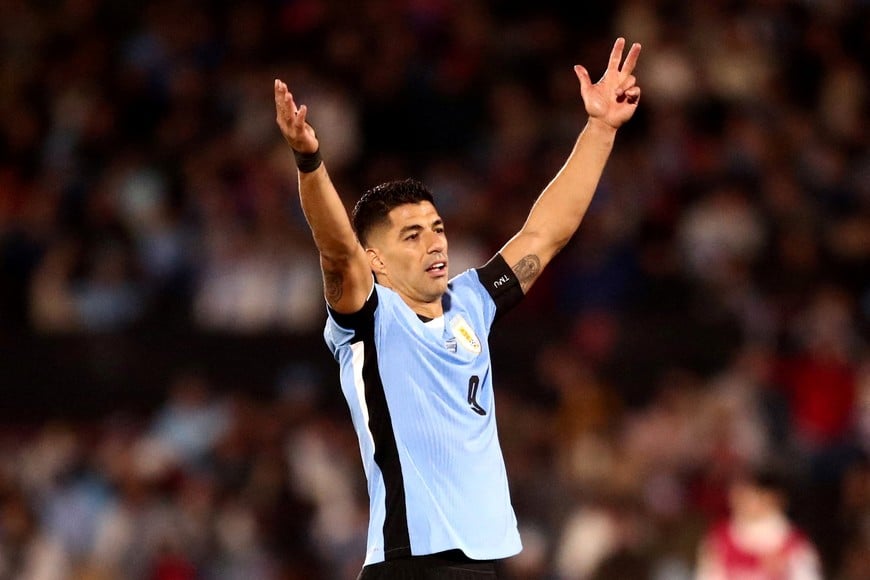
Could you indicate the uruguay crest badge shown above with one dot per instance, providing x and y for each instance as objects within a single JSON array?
[{"x": 465, "y": 334}]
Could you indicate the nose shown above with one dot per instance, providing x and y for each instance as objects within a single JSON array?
[{"x": 437, "y": 243}]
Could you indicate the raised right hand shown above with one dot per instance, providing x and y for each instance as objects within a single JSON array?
[{"x": 291, "y": 120}]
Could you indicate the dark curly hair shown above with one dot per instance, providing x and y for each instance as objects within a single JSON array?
[{"x": 375, "y": 205}]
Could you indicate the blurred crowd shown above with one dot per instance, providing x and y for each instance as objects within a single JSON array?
[{"x": 712, "y": 313}]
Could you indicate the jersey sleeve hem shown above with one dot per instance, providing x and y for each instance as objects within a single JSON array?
[{"x": 359, "y": 319}]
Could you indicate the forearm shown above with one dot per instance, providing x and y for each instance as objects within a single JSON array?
[
  {"x": 347, "y": 278},
  {"x": 558, "y": 211},
  {"x": 326, "y": 216}
]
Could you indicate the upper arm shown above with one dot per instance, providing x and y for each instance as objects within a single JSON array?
[
  {"x": 347, "y": 280},
  {"x": 527, "y": 254}
]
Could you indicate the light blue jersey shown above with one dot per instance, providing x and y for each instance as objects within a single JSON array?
[{"x": 421, "y": 399}]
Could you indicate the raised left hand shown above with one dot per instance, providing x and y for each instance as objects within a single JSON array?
[{"x": 614, "y": 98}]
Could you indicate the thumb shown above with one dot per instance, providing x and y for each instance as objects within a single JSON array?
[
  {"x": 301, "y": 115},
  {"x": 583, "y": 77}
]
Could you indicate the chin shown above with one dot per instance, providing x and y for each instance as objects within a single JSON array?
[
  {"x": 436, "y": 291},
  {"x": 442, "y": 284}
]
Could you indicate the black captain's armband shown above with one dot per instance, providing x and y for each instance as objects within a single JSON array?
[{"x": 501, "y": 283}]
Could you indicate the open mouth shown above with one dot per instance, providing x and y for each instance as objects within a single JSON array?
[{"x": 437, "y": 268}]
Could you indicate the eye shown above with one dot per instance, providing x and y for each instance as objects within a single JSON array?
[
  {"x": 439, "y": 229},
  {"x": 412, "y": 237}
]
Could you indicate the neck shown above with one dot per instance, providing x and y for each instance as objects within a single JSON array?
[
  {"x": 432, "y": 309},
  {"x": 429, "y": 309}
]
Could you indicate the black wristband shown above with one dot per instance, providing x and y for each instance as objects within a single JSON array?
[{"x": 307, "y": 162}]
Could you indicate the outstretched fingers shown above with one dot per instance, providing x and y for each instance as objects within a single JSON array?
[
  {"x": 631, "y": 59},
  {"x": 280, "y": 94},
  {"x": 293, "y": 120},
  {"x": 281, "y": 100},
  {"x": 284, "y": 102},
  {"x": 616, "y": 55}
]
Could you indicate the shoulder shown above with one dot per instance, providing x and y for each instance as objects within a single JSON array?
[
  {"x": 363, "y": 317},
  {"x": 467, "y": 289},
  {"x": 467, "y": 279}
]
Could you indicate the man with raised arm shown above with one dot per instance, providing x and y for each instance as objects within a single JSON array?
[{"x": 412, "y": 342}]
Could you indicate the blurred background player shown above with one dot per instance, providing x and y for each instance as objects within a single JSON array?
[{"x": 758, "y": 541}]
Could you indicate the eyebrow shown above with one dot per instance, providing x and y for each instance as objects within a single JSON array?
[{"x": 418, "y": 227}]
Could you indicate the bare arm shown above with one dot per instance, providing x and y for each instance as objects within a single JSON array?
[
  {"x": 347, "y": 278},
  {"x": 560, "y": 208}
]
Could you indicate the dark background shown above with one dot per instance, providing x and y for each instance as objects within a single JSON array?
[{"x": 161, "y": 361}]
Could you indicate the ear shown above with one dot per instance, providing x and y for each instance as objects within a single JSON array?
[{"x": 375, "y": 263}]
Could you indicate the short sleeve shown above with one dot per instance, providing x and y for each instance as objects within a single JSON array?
[{"x": 360, "y": 319}]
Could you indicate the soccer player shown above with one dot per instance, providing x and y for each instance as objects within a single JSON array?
[
  {"x": 412, "y": 342},
  {"x": 758, "y": 541}
]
